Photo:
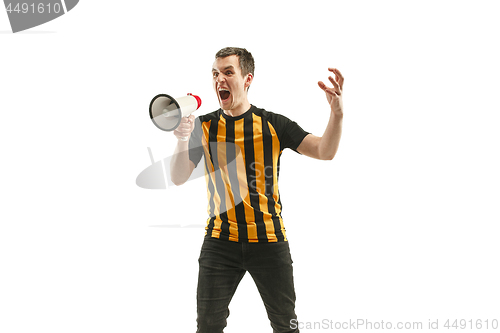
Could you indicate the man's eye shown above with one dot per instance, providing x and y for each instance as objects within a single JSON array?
[
  {"x": 229, "y": 73},
  {"x": 215, "y": 74}
]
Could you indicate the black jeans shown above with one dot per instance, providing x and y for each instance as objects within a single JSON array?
[{"x": 222, "y": 266}]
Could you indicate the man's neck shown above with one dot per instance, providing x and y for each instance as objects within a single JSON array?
[{"x": 238, "y": 111}]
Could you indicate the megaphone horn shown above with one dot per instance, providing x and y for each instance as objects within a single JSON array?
[{"x": 167, "y": 112}]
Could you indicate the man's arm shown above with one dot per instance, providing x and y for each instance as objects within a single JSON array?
[
  {"x": 325, "y": 147},
  {"x": 181, "y": 167}
]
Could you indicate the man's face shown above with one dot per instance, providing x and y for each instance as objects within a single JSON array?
[{"x": 228, "y": 82}]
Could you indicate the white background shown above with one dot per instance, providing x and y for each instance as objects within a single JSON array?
[{"x": 401, "y": 226}]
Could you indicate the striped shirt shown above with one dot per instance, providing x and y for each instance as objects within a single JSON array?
[{"x": 242, "y": 160}]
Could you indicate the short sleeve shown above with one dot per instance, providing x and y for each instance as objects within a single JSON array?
[
  {"x": 290, "y": 134},
  {"x": 195, "y": 144}
]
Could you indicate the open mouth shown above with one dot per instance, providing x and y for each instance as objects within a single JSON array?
[{"x": 224, "y": 94}]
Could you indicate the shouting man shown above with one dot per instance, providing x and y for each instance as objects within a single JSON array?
[{"x": 242, "y": 145}]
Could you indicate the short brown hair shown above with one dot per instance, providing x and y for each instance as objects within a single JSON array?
[{"x": 247, "y": 64}]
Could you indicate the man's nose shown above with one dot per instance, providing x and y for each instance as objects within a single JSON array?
[{"x": 221, "y": 78}]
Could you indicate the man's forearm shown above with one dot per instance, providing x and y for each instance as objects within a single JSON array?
[
  {"x": 330, "y": 140},
  {"x": 180, "y": 168}
]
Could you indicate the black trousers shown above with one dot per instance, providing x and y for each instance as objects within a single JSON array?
[{"x": 222, "y": 265}]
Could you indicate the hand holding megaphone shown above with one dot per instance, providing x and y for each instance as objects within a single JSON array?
[
  {"x": 185, "y": 128},
  {"x": 168, "y": 113}
]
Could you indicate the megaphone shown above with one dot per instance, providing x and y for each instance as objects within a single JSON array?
[{"x": 167, "y": 112}]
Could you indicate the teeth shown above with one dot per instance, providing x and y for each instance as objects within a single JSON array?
[{"x": 222, "y": 89}]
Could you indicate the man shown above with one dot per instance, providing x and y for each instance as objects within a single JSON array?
[{"x": 242, "y": 145}]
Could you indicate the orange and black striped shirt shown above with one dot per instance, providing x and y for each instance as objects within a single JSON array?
[{"x": 242, "y": 160}]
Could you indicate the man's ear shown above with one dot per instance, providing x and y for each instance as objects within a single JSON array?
[{"x": 248, "y": 80}]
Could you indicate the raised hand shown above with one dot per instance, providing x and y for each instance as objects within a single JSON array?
[{"x": 334, "y": 95}]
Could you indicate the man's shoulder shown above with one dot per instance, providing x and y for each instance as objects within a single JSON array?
[
  {"x": 278, "y": 120},
  {"x": 269, "y": 115},
  {"x": 210, "y": 116}
]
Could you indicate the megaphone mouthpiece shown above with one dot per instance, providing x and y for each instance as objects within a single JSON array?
[{"x": 198, "y": 99}]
